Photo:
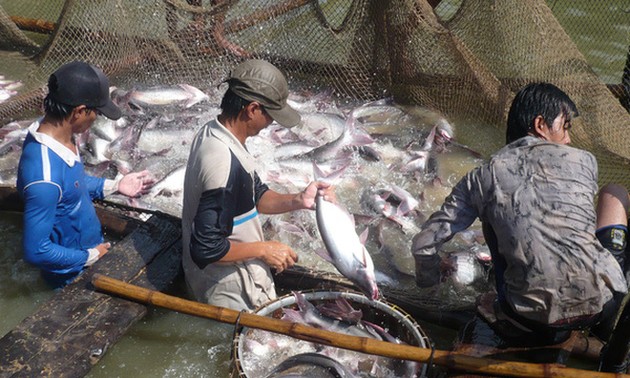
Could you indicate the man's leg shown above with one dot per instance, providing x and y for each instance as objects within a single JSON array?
[{"x": 612, "y": 220}]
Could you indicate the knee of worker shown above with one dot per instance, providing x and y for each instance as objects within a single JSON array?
[
  {"x": 617, "y": 193},
  {"x": 614, "y": 239}
]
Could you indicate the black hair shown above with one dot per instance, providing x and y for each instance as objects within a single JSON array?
[
  {"x": 56, "y": 109},
  {"x": 232, "y": 104},
  {"x": 533, "y": 100}
]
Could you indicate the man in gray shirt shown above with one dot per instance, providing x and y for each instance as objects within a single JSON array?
[
  {"x": 227, "y": 261},
  {"x": 558, "y": 261}
]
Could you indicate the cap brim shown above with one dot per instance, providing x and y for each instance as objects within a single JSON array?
[
  {"x": 110, "y": 110},
  {"x": 287, "y": 116}
]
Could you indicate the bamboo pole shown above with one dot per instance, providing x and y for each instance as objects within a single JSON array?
[
  {"x": 361, "y": 344},
  {"x": 34, "y": 25}
]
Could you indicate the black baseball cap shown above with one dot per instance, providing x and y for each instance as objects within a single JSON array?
[
  {"x": 79, "y": 83},
  {"x": 260, "y": 81}
]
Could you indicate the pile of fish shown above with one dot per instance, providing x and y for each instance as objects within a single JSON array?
[
  {"x": 391, "y": 167},
  {"x": 265, "y": 354}
]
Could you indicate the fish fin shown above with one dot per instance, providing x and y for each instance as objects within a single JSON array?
[
  {"x": 341, "y": 310},
  {"x": 318, "y": 174},
  {"x": 428, "y": 142},
  {"x": 364, "y": 257},
  {"x": 358, "y": 136},
  {"x": 292, "y": 315},
  {"x": 337, "y": 168},
  {"x": 323, "y": 253},
  {"x": 364, "y": 235},
  {"x": 196, "y": 95},
  {"x": 304, "y": 304},
  {"x": 347, "y": 308}
]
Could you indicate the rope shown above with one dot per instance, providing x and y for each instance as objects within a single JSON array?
[{"x": 127, "y": 208}]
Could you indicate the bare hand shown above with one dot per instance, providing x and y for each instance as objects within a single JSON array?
[
  {"x": 136, "y": 184},
  {"x": 279, "y": 256},
  {"x": 103, "y": 249},
  {"x": 324, "y": 189}
]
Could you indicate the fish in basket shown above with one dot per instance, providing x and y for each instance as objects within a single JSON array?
[{"x": 259, "y": 353}]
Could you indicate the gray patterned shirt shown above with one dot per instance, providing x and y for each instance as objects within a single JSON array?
[{"x": 538, "y": 198}]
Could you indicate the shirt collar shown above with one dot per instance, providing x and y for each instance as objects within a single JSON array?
[
  {"x": 62, "y": 151},
  {"x": 219, "y": 131}
]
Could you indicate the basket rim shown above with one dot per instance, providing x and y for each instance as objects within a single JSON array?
[{"x": 353, "y": 296}]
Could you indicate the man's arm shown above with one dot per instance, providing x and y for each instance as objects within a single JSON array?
[
  {"x": 40, "y": 203},
  {"x": 95, "y": 186},
  {"x": 456, "y": 214},
  {"x": 210, "y": 230},
  {"x": 209, "y": 240},
  {"x": 272, "y": 202}
]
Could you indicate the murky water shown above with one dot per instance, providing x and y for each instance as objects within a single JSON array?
[{"x": 21, "y": 287}]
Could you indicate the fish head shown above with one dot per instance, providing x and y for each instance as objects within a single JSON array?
[
  {"x": 444, "y": 129},
  {"x": 443, "y": 135},
  {"x": 365, "y": 278},
  {"x": 417, "y": 163},
  {"x": 370, "y": 289}
]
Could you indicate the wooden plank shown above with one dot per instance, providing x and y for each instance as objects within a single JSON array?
[{"x": 70, "y": 333}]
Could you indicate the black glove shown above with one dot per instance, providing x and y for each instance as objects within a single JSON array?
[{"x": 428, "y": 270}]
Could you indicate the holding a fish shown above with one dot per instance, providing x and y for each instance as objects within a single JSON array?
[{"x": 226, "y": 260}]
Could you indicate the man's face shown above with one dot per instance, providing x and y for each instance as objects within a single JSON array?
[
  {"x": 558, "y": 131},
  {"x": 84, "y": 119},
  {"x": 260, "y": 119}
]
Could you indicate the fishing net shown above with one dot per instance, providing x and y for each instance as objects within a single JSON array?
[{"x": 462, "y": 58}]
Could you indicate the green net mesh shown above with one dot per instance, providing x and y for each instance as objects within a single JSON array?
[{"x": 465, "y": 59}]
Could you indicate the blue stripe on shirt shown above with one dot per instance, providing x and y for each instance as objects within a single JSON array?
[{"x": 254, "y": 214}]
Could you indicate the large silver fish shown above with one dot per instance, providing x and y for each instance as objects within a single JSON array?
[
  {"x": 171, "y": 184},
  {"x": 352, "y": 136},
  {"x": 182, "y": 94},
  {"x": 344, "y": 247}
]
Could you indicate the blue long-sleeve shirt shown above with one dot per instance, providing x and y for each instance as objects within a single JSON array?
[{"x": 60, "y": 222}]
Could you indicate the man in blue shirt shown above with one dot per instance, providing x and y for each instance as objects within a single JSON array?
[{"x": 62, "y": 234}]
